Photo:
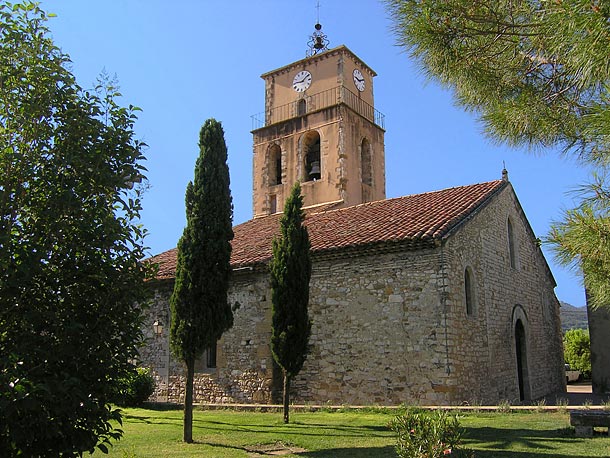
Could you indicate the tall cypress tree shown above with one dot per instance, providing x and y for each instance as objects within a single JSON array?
[
  {"x": 199, "y": 306},
  {"x": 290, "y": 273}
]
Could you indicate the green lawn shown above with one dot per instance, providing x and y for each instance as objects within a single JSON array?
[{"x": 220, "y": 434}]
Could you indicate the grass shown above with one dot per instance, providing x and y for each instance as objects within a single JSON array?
[
  {"x": 227, "y": 434},
  {"x": 529, "y": 435}
]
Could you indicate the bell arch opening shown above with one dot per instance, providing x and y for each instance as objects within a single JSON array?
[
  {"x": 312, "y": 167},
  {"x": 274, "y": 165}
]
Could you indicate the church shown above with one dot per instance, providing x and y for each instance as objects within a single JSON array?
[{"x": 440, "y": 298}]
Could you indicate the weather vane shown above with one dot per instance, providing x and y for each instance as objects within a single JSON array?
[{"x": 318, "y": 40}]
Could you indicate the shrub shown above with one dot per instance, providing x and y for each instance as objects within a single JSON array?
[
  {"x": 136, "y": 388},
  {"x": 504, "y": 406},
  {"x": 423, "y": 434},
  {"x": 577, "y": 350}
]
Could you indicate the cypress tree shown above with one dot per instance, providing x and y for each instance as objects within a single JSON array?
[
  {"x": 199, "y": 306},
  {"x": 290, "y": 273}
]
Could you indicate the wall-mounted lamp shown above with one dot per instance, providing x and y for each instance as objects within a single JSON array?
[{"x": 158, "y": 328}]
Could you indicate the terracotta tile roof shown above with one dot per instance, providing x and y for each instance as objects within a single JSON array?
[{"x": 415, "y": 221}]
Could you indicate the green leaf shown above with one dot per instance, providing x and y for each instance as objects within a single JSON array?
[{"x": 63, "y": 247}]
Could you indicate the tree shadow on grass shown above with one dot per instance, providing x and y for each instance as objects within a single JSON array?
[
  {"x": 302, "y": 429},
  {"x": 542, "y": 443},
  {"x": 376, "y": 428},
  {"x": 138, "y": 419},
  {"x": 162, "y": 406},
  {"x": 368, "y": 452},
  {"x": 501, "y": 438},
  {"x": 513, "y": 454},
  {"x": 152, "y": 420}
]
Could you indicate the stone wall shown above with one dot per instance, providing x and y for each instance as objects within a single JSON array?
[
  {"x": 482, "y": 345},
  {"x": 374, "y": 338},
  {"x": 374, "y": 335},
  {"x": 391, "y": 328},
  {"x": 599, "y": 329},
  {"x": 244, "y": 371}
]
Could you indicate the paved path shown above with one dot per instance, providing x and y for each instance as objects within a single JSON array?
[
  {"x": 583, "y": 387},
  {"x": 579, "y": 394}
]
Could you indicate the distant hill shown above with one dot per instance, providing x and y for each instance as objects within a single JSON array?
[{"x": 573, "y": 317}]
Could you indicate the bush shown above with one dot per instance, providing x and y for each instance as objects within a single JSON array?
[
  {"x": 423, "y": 434},
  {"x": 577, "y": 350},
  {"x": 133, "y": 390}
]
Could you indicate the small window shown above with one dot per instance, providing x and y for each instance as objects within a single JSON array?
[
  {"x": 278, "y": 170},
  {"x": 512, "y": 253},
  {"x": 274, "y": 165},
  {"x": 273, "y": 204},
  {"x": 469, "y": 291},
  {"x": 207, "y": 360},
  {"x": 366, "y": 162},
  {"x": 311, "y": 154},
  {"x": 210, "y": 355},
  {"x": 301, "y": 107}
]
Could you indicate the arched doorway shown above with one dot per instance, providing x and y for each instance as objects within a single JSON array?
[{"x": 522, "y": 370}]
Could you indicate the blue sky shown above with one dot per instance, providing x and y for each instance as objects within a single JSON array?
[{"x": 188, "y": 60}]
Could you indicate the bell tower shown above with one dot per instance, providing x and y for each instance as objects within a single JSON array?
[{"x": 320, "y": 127}]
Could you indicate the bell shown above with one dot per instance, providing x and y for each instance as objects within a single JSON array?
[
  {"x": 315, "y": 172},
  {"x": 318, "y": 44}
]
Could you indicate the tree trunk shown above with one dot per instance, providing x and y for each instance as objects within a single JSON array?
[
  {"x": 188, "y": 401},
  {"x": 286, "y": 397}
]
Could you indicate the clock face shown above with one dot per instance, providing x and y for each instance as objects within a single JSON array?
[
  {"x": 301, "y": 81},
  {"x": 359, "y": 80}
]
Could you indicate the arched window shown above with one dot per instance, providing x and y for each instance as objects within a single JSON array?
[
  {"x": 512, "y": 246},
  {"x": 366, "y": 162},
  {"x": 275, "y": 165},
  {"x": 311, "y": 156},
  {"x": 469, "y": 291},
  {"x": 301, "y": 107}
]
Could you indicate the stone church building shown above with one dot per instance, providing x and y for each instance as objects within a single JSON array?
[{"x": 436, "y": 298}]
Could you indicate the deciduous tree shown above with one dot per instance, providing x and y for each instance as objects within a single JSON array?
[
  {"x": 70, "y": 247},
  {"x": 537, "y": 74},
  {"x": 199, "y": 307},
  {"x": 577, "y": 350},
  {"x": 290, "y": 273}
]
